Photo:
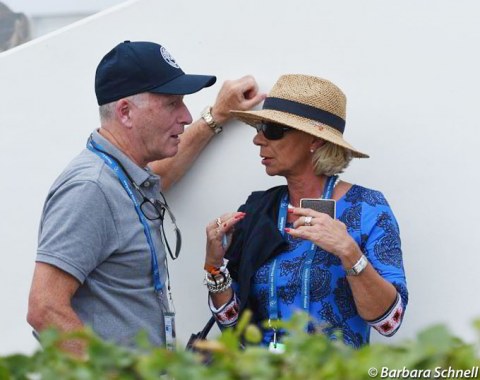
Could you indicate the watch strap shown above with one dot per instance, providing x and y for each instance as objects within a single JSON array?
[
  {"x": 207, "y": 116},
  {"x": 359, "y": 266}
]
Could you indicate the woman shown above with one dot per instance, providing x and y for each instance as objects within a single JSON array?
[{"x": 347, "y": 272}]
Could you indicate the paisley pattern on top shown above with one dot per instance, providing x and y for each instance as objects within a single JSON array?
[{"x": 371, "y": 223}]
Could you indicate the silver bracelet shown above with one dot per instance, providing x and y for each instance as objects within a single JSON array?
[
  {"x": 220, "y": 288},
  {"x": 215, "y": 280}
]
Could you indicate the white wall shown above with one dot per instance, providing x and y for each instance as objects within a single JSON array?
[
  {"x": 410, "y": 72},
  {"x": 44, "y": 24},
  {"x": 51, "y": 7}
]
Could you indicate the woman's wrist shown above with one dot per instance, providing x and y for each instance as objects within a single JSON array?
[
  {"x": 349, "y": 254},
  {"x": 215, "y": 266}
]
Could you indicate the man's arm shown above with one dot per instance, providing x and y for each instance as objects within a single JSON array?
[
  {"x": 240, "y": 94},
  {"x": 49, "y": 304}
]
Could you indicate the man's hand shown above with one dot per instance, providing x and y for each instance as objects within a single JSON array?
[{"x": 239, "y": 94}]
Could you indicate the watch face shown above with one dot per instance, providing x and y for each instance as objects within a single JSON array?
[
  {"x": 207, "y": 116},
  {"x": 358, "y": 267}
]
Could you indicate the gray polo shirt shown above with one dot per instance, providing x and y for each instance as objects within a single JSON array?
[{"x": 90, "y": 229}]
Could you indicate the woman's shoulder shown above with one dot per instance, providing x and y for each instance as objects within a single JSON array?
[
  {"x": 263, "y": 195},
  {"x": 366, "y": 208},
  {"x": 360, "y": 194}
]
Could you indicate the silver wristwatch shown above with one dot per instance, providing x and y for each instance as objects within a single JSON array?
[
  {"x": 207, "y": 116},
  {"x": 359, "y": 266}
]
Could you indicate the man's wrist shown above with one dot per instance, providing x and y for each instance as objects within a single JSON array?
[
  {"x": 207, "y": 116},
  {"x": 220, "y": 118}
]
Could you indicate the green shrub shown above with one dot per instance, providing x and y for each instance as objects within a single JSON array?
[{"x": 306, "y": 357}]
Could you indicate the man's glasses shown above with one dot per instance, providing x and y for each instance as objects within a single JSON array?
[
  {"x": 272, "y": 131},
  {"x": 154, "y": 209}
]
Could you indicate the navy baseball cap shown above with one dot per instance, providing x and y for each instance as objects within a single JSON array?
[{"x": 134, "y": 67}]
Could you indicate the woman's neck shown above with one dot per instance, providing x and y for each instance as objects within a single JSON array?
[{"x": 307, "y": 186}]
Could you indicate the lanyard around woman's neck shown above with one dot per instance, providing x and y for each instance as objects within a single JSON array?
[{"x": 310, "y": 254}]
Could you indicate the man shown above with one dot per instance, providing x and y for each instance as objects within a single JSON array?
[{"x": 100, "y": 258}]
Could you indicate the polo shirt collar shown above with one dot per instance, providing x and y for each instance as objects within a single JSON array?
[{"x": 138, "y": 174}]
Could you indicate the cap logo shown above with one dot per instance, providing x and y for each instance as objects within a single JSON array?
[{"x": 168, "y": 58}]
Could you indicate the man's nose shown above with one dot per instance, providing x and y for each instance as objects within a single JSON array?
[{"x": 186, "y": 116}]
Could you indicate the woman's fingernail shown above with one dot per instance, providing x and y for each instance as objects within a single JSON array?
[
  {"x": 224, "y": 224},
  {"x": 287, "y": 229},
  {"x": 290, "y": 210},
  {"x": 239, "y": 216}
]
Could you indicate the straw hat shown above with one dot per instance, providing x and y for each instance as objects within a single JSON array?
[{"x": 310, "y": 104}]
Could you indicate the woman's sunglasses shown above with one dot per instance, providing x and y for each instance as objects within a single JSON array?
[{"x": 272, "y": 131}]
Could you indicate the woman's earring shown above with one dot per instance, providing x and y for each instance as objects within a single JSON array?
[{"x": 312, "y": 150}]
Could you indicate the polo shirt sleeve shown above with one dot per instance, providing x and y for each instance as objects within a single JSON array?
[{"x": 76, "y": 227}]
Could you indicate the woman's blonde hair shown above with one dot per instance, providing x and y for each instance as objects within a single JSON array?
[{"x": 331, "y": 159}]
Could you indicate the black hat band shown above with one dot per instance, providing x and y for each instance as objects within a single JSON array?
[{"x": 306, "y": 111}]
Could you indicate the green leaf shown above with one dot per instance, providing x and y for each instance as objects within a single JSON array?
[
  {"x": 307, "y": 356},
  {"x": 253, "y": 334}
]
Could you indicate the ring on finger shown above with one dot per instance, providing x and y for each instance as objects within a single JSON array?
[
  {"x": 308, "y": 221},
  {"x": 219, "y": 222}
]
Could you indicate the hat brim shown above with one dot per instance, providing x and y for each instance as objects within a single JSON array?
[
  {"x": 185, "y": 84},
  {"x": 311, "y": 127}
]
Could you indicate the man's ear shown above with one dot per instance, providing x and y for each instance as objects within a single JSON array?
[{"x": 123, "y": 112}]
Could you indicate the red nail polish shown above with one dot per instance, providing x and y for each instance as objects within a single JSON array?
[
  {"x": 290, "y": 210},
  {"x": 239, "y": 216},
  {"x": 287, "y": 229},
  {"x": 224, "y": 224}
]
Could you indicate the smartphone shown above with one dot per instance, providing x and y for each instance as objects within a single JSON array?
[{"x": 327, "y": 206}]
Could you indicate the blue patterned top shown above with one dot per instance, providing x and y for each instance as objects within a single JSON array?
[{"x": 371, "y": 223}]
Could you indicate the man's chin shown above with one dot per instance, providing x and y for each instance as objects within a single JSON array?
[{"x": 171, "y": 152}]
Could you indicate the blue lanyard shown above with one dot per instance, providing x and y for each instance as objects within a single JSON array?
[
  {"x": 307, "y": 266},
  {"x": 329, "y": 186},
  {"x": 122, "y": 177}
]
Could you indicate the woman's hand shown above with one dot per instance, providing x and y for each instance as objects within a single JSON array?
[
  {"x": 218, "y": 232},
  {"x": 322, "y": 230}
]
